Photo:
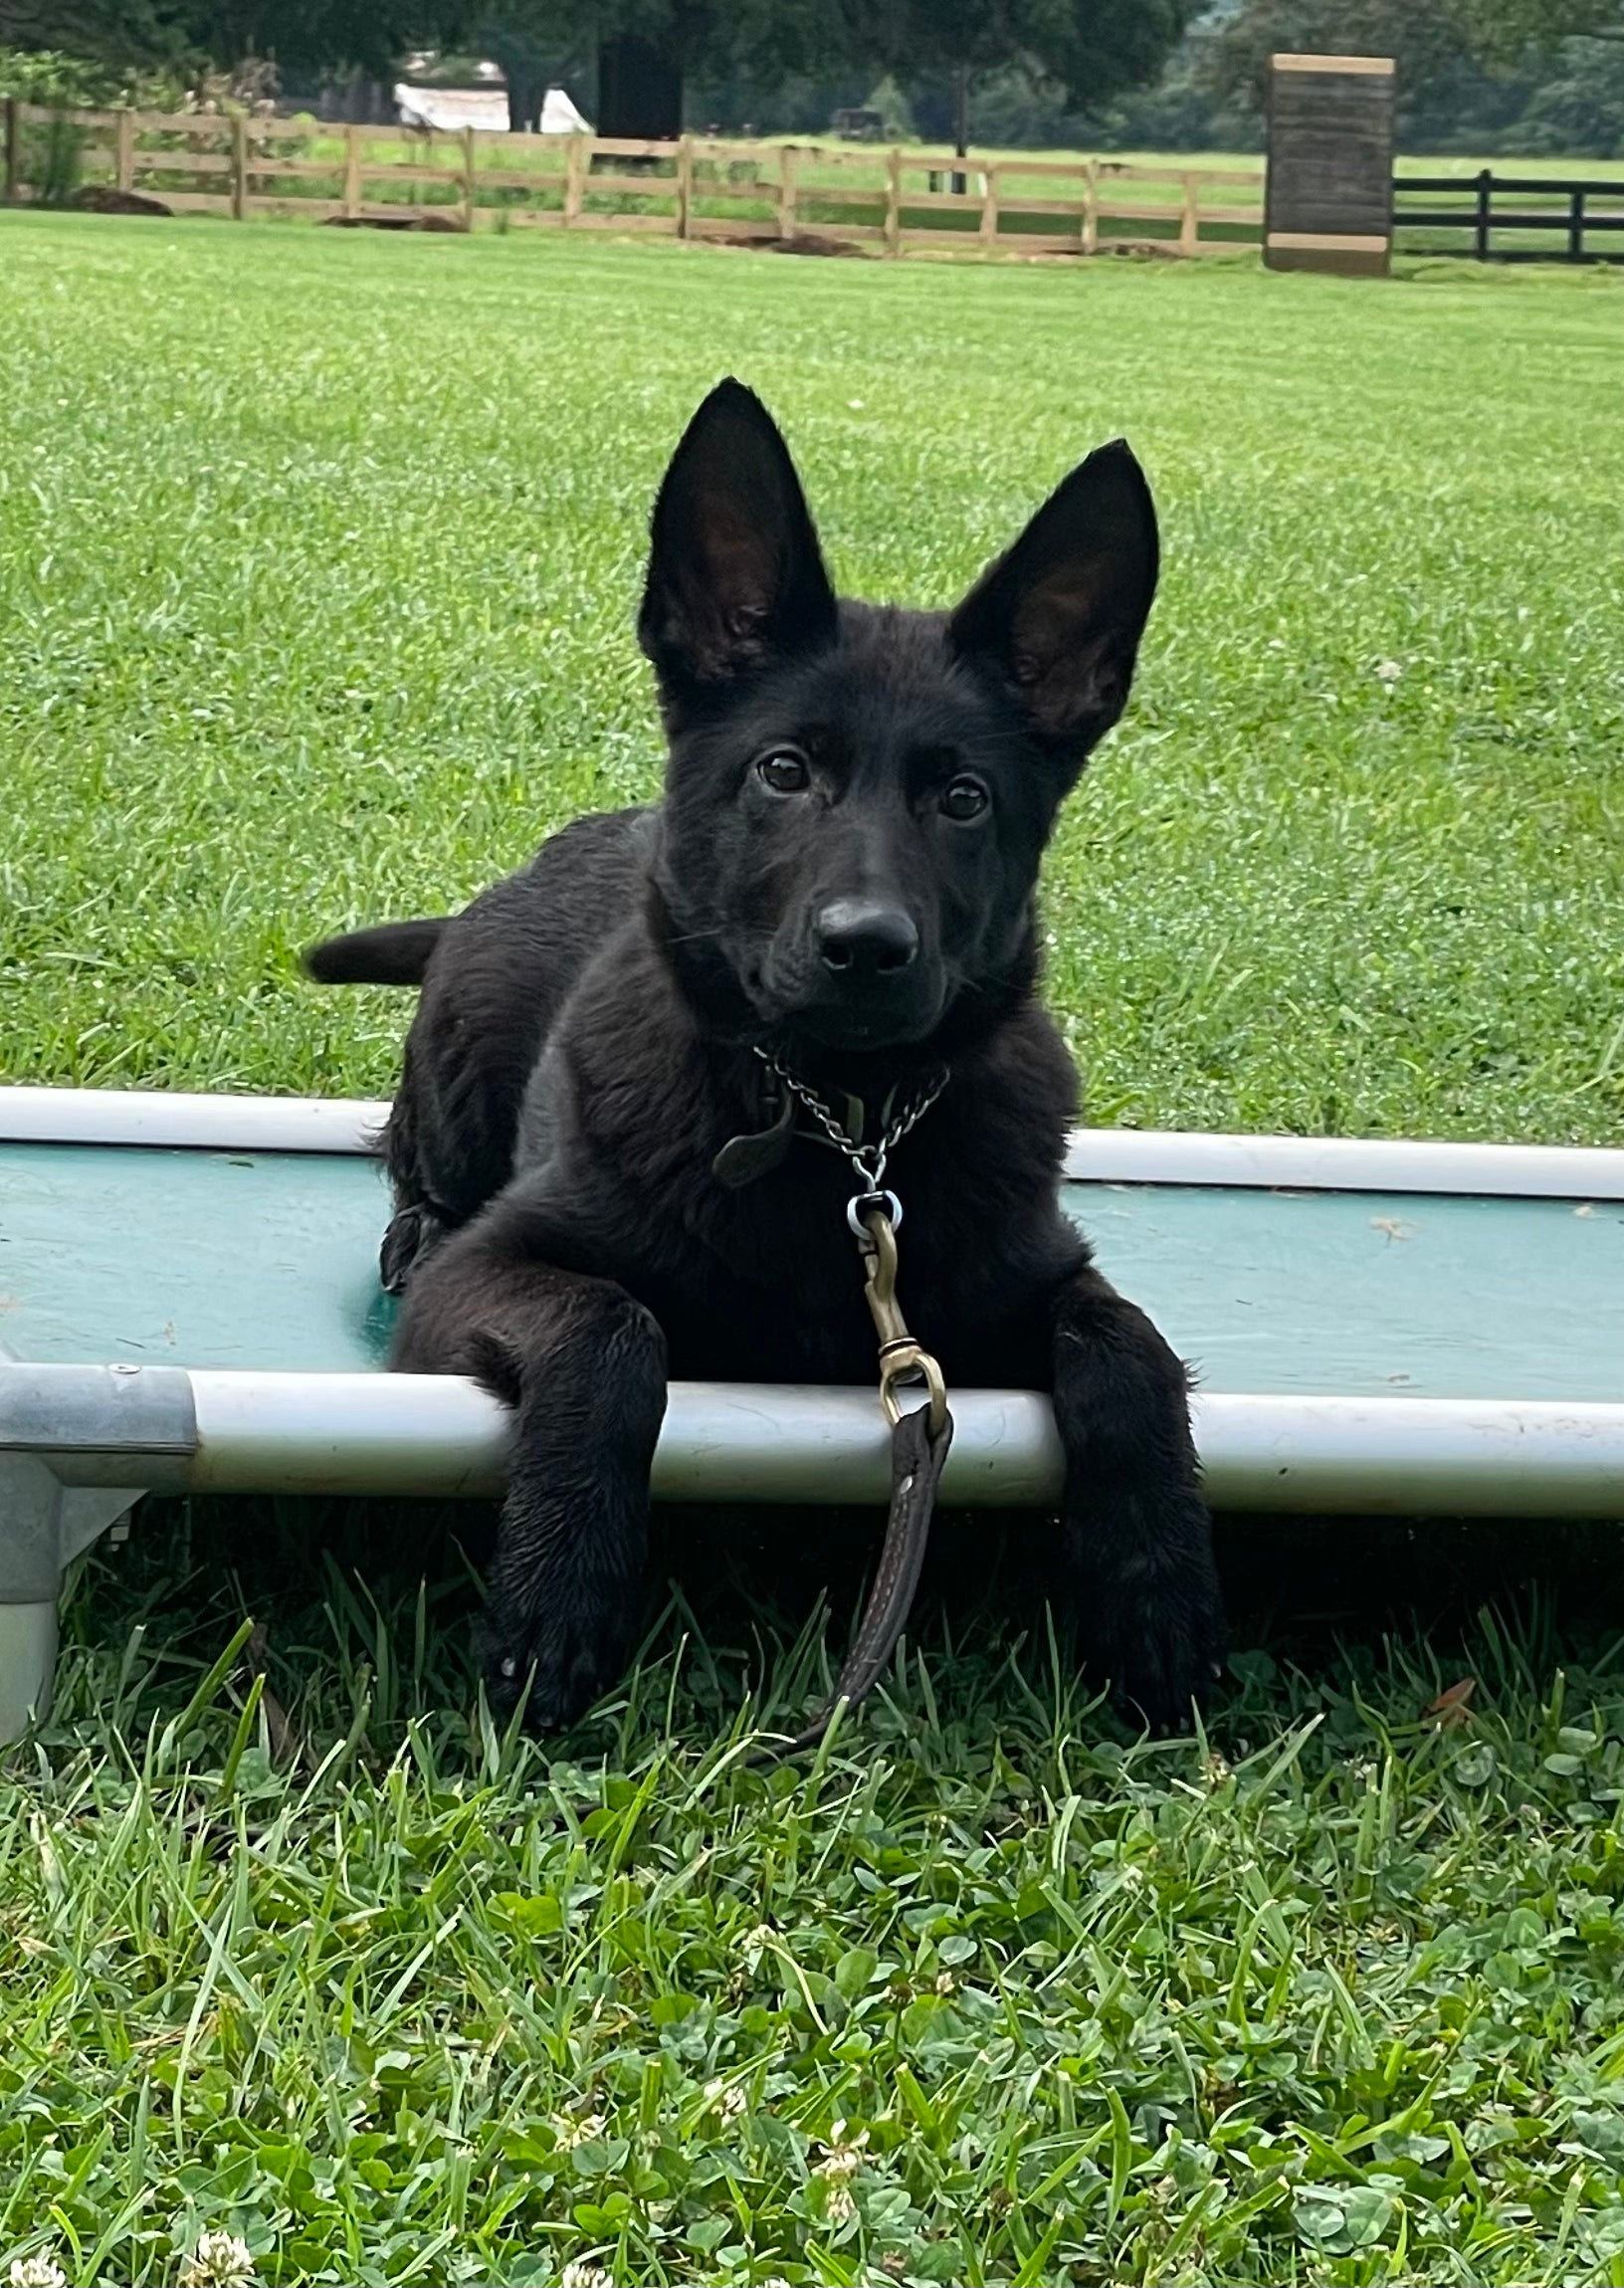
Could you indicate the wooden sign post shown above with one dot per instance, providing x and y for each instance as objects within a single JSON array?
[{"x": 1328, "y": 199}]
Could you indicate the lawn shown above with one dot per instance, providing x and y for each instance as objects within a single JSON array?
[{"x": 318, "y": 561}]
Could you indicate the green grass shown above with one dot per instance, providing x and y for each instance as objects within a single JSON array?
[
  {"x": 1333, "y": 1996},
  {"x": 318, "y": 558}
]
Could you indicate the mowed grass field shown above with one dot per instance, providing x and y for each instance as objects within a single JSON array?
[{"x": 318, "y": 561}]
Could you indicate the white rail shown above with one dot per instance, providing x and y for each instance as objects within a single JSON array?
[
  {"x": 358, "y": 1433},
  {"x": 1099, "y": 1156}
]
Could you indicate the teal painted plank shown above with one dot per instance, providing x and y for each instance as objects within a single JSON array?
[
  {"x": 1368, "y": 1293},
  {"x": 218, "y": 1259},
  {"x": 191, "y": 1258}
]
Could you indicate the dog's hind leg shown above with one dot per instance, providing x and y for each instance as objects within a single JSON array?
[
  {"x": 582, "y": 1366},
  {"x": 1137, "y": 1536},
  {"x": 413, "y": 1232},
  {"x": 420, "y": 1222}
]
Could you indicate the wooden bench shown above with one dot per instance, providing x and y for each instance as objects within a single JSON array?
[{"x": 189, "y": 1300}]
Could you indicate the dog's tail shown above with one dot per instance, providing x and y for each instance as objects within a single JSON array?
[{"x": 392, "y": 954}]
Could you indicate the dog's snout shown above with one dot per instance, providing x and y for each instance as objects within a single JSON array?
[
  {"x": 858, "y": 940},
  {"x": 857, "y": 974}
]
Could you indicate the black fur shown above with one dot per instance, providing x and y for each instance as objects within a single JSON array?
[{"x": 585, "y": 1045}]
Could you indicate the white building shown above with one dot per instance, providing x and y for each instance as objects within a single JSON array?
[{"x": 447, "y": 111}]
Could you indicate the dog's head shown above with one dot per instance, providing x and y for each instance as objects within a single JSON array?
[{"x": 858, "y": 798}]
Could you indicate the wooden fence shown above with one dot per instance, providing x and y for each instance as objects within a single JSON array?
[
  {"x": 1556, "y": 217},
  {"x": 898, "y": 200}
]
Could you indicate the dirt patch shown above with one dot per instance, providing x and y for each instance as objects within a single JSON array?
[
  {"x": 102, "y": 200},
  {"x": 421, "y": 220},
  {"x": 804, "y": 242},
  {"x": 809, "y": 242}
]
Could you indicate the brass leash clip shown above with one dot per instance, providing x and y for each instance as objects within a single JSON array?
[{"x": 901, "y": 1359}]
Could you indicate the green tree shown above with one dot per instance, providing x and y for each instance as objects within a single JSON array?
[
  {"x": 305, "y": 35},
  {"x": 1579, "y": 107},
  {"x": 1504, "y": 31},
  {"x": 1434, "y": 43},
  {"x": 315, "y": 35},
  {"x": 117, "y": 36},
  {"x": 1422, "y": 36},
  {"x": 537, "y": 43},
  {"x": 1094, "y": 50},
  {"x": 647, "y": 51}
]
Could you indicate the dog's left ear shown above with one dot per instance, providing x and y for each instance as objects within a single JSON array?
[
  {"x": 1057, "y": 619},
  {"x": 736, "y": 574}
]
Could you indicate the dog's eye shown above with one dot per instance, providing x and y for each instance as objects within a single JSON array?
[
  {"x": 964, "y": 798},
  {"x": 784, "y": 771}
]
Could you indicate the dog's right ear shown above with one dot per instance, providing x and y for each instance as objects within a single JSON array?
[{"x": 736, "y": 574}]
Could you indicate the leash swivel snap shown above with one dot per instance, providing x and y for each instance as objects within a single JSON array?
[{"x": 902, "y": 1361}]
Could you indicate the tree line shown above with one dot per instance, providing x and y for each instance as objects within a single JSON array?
[{"x": 1175, "y": 73}]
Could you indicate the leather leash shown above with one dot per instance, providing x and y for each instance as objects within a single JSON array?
[{"x": 920, "y": 1438}]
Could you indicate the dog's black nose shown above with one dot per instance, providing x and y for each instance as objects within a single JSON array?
[{"x": 862, "y": 941}]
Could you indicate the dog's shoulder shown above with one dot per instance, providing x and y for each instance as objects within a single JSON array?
[
  {"x": 625, "y": 1074},
  {"x": 1011, "y": 1102}
]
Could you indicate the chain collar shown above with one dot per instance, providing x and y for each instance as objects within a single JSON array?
[{"x": 867, "y": 1161}]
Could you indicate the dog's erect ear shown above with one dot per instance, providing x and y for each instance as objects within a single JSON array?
[
  {"x": 1058, "y": 618},
  {"x": 736, "y": 575}
]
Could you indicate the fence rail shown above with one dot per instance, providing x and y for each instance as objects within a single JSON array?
[
  {"x": 898, "y": 200},
  {"x": 1554, "y": 210}
]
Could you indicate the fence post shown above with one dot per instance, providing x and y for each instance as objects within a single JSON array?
[
  {"x": 1189, "y": 222},
  {"x": 1575, "y": 226},
  {"x": 893, "y": 202},
  {"x": 239, "y": 167},
  {"x": 684, "y": 185},
  {"x": 989, "y": 207},
  {"x": 352, "y": 170},
  {"x": 13, "y": 149},
  {"x": 1486, "y": 187},
  {"x": 574, "y": 174},
  {"x": 786, "y": 190},
  {"x": 1091, "y": 209},
  {"x": 470, "y": 187},
  {"x": 124, "y": 150}
]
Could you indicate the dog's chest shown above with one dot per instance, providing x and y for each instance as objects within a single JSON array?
[
  {"x": 748, "y": 1258},
  {"x": 766, "y": 1282}
]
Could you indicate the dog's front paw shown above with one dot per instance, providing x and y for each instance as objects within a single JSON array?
[
  {"x": 1153, "y": 1620},
  {"x": 554, "y": 1666},
  {"x": 1165, "y": 1659}
]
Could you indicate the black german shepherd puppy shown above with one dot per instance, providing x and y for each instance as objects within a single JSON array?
[{"x": 838, "y": 883}]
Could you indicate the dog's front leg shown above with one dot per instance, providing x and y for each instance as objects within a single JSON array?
[
  {"x": 1137, "y": 1536},
  {"x": 583, "y": 1369}
]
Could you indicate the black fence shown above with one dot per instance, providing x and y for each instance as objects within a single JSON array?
[{"x": 1557, "y": 218}]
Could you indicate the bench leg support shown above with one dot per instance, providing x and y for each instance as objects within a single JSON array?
[
  {"x": 44, "y": 1525},
  {"x": 28, "y": 1658}
]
